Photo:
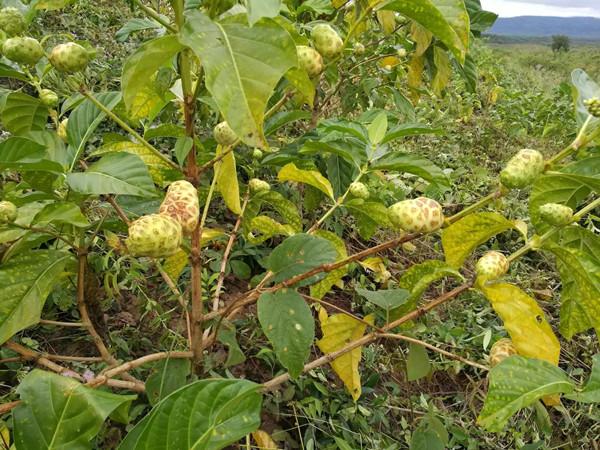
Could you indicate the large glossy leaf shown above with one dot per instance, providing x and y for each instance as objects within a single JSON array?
[
  {"x": 138, "y": 80},
  {"x": 450, "y": 30},
  {"x": 23, "y": 154},
  {"x": 525, "y": 321},
  {"x": 168, "y": 376},
  {"x": 420, "y": 276},
  {"x": 408, "y": 163},
  {"x": 580, "y": 297},
  {"x": 299, "y": 254},
  {"x": 61, "y": 213},
  {"x": 518, "y": 382},
  {"x": 257, "y": 9},
  {"x": 290, "y": 172},
  {"x": 25, "y": 283},
  {"x": 585, "y": 88},
  {"x": 288, "y": 323},
  {"x": 23, "y": 113},
  {"x": 410, "y": 129},
  {"x": 338, "y": 330},
  {"x": 387, "y": 299},
  {"x": 209, "y": 414},
  {"x": 84, "y": 120},
  {"x": 464, "y": 236},
  {"x": 370, "y": 216},
  {"x": 591, "y": 391},
  {"x": 115, "y": 173},
  {"x": 242, "y": 66},
  {"x": 57, "y": 412}
]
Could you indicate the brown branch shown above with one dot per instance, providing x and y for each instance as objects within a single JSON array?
[
  {"x": 113, "y": 202},
  {"x": 7, "y": 407},
  {"x": 62, "y": 324},
  {"x": 435, "y": 349},
  {"x": 371, "y": 337},
  {"x": 106, "y": 376},
  {"x": 72, "y": 358},
  {"x": 251, "y": 296},
  {"x": 180, "y": 298},
  {"x": 204, "y": 167}
]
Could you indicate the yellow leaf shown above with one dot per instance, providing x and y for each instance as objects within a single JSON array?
[
  {"x": 443, "y": 70},
  {"x": 391, "y": 61},
  {"x": 387, "y": 20},
  {"x": 5, "y": 433},
  {"x": 210, "y": 234},
  {"x": 525, "y": 321},
  {"x": 175, "y": 264},
  {"x": 264, "y": 441},
  {"x": 290, "y": 172},
  {"x": 321, "y": 288},
  {"x": 415, "y": 74},
  {"x": 422, "y": 38},
  {"x": 227, "y": 181},
  {"x": 338, "y": 330}
]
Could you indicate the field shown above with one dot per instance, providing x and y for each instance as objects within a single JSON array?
[{"x": 382, "y": 123}]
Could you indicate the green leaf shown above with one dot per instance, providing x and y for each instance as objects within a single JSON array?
[
  {"x": 525, "y": 322},
  {"x": 419, "y": 277},
  {"x": 115, "y": 173},
  {"x": 462, "y": 237},
  {"x": 585, "y": 89},
  {"x": 580, "y": 298},
  {"x": 404, "y": 162},
  {"x": 300, "y": 80},
  {"x": 299, "y": 254},
  {"x": 133, "y": 25},
  {"x": 321, "y": 288},
  {"x": 262, "y": 228},
  {"x": 227, "y": 336},
  {"x": 283, "y": 118},
  {"x": 348, "y": 150},
  {"x": 426, "y": 439},
  {"x": 591, "y": 391},
  {"x": 25, "y": 283},
  {"x": 7, "y": 71},
  {"x": 417, "y": 364},
  {"x": 409, "y": 129},
  {"x": 378, "y": 128},
  {"x": 169, "y": 375},
  {"x": 242, "y": 65},
  {"x": 61, "y": 213},
  {"x": 22, "y": 154},
  {"x": 288, "y": 323},
  {"x": 516, "y": 383},
  {"x": 23, "y": 113},
  {"x": 139, "y": 75},
  {"x": 318, "y": 7},
  {"x": 451, "y": 30},
  {"x": 257, "y": 9},
  {"x": 387, "y": 299},
  {"x": 370, "y": 216},
  {"x": 58, "y": 412},
  {"x": 227, "y": 181},
  {"x": 290, "y": 172},
  {"x": 84, "y": 120},
  {"x": 209, "y": 414}
]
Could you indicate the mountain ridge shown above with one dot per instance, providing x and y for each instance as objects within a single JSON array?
[{"x": 540, "y": 26}]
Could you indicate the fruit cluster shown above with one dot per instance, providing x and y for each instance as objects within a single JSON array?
[
  {"x": 327, "y": 43},
  {"x": 593, "y": 106},
  {"x": 161, "y": 235}
]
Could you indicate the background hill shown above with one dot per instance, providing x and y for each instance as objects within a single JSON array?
[{"x": 585, "y": 28}]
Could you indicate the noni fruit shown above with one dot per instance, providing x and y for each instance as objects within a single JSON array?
[
  {"x": 593, "y": 106},
  {"x": 310, "y": 60},
  {"x": 181, "y": 203},
  {"x": 258, "y": 185},
  {"x": 49, "y": 98},
  {"x": 421, "y": 215},
  {"x": 8, "y": 212},
  {"x": 327, "y": 41},
  {"x": 11, "y": 21},
  {"x": 23, "y": 50},
  {"x": 69, "y": 57},
  {"x": 522, "y": 169},
  {"x": 501, "y": 350},
  {"x": 492, "y": 265},
  {"x": 224, "y": 135},
  {"x": 556, "y": 214},
  {"x": 359, "y": 190},
  {"x": 154, "y": 235}
]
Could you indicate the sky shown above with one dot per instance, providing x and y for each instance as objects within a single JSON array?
[{"x": 563, "y": 8}]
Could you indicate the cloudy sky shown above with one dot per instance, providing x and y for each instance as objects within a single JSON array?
[{"x": 564, "y": 8}]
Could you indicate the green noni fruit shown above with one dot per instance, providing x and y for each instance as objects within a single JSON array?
[
  {"x": 359, "y": 190},
  {"x": 23, "y": 50},
  {"x": 49, "y": 98},
  {"x": 310, "y": 60},
  {"x": 327, "y": 41},
  {"x": 421, "y": 215},
  {"x": 556, "y": 214},
  {"x": 69, "y": 57},
  {"x": 224, "y": 135},
  {"x": 155, "y": 236},
  {"x": 258, "y": 185},
  {"x": 12, "y": 21},
  {"x": 593, "y": 106},
  {"x": 522, "y": 169},
  {"x": 8, "y": 212},
  {"x": 492, "y": 265}
]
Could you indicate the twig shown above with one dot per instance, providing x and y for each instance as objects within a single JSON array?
[
  {"x": 433, "y": 348},
  {"x": 113, "y": 202},
  {"x": 341, "y": 310},
  {"x": 7, "y": 407},
  {"x": 72, "y": 358},
  {"x": 371, "y": 337},
  {"x": 179, "y": 296},
  {"x": 121, "y": 369},
  {"x": 62, "y": 324},
  {"x": 154, "y": 15}
]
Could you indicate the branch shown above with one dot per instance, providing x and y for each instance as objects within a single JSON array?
[
  {"x": 371, "y": 337},
  {"x": 179, "y": 296},
  {"x": 113, "y": 202},
  {"x": 62, "y": 324}
]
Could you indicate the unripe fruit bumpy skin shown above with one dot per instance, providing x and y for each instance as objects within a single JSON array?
[
  {"x": 501, "y": 350},
  {"x": 402, "y": 52},
  {"x": 11, "y": 21},
  {"x": 62, "y": 130},
  {"x": 23, "y": 50},
  {"x": 257, "y": 154},
  {"x": 491, "y": 266},
  {"x": 257, "y": 185},
  {"x": 8, "y": 212},
  {"x": 359, "y": 190},
  {"x": 522, "y": 169},
  {"x": 593, "y": 106},
  {"x": 327, "y": 42},
  {"x": 224, "y": 135},
  {"x": 69, "y": 57},
  {"x": 155, "y": 236},
  {"x": 556, "y": 214},
  {"x": 359, "y": 48},
  {"x": 3, "y": 38},
  {"x": 49, "y": 98},
  {"x": 181, "y": 203},
  {"x": 421, "y": 215},
  {"x": 310, "y": 60}
]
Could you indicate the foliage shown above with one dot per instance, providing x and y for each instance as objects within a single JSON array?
[{"x": 225, "y": 170}]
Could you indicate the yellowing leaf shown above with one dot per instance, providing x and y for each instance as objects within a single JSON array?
[
  {"x": 174, "y": 265},
  {"x": 338, "y": 330},
  {"x": 227, "y": 181},
  {"x": 390, "y": 61},
  {"x": 422, "y": 38},
  {"x": 263, "y": 227},
  {"x": 210, "y": 234},
  {"x": 415, "y": 76},
  {"x": 321, "y": 288},
  {"x": 443, "y": 70},
  {"x": 387, "y": 20},
  {"x": 525, "y": 321},
  {"x": 290, "y": 172},
  {"x": 264, "y": 441}
]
